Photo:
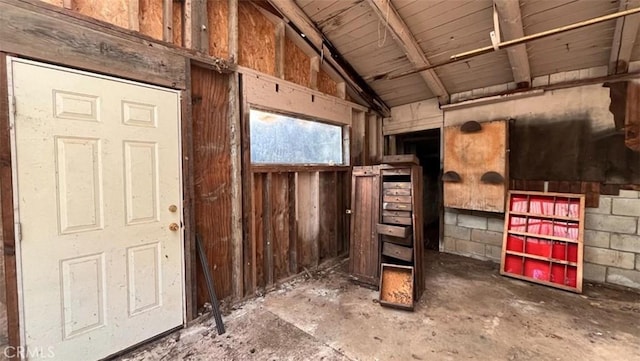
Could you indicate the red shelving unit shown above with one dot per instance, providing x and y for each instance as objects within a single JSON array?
[{"x": 543, "y": 239}]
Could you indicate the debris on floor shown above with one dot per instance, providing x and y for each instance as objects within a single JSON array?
[{"x": 462, "y": 315}]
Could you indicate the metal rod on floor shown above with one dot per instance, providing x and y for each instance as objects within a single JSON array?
[
  {"x": 215, "y": 306},
  {"x": 509, "y": 43}
]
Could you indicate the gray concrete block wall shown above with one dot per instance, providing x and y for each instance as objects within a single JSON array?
[
  {"x": 611, "y": 238},
  {"x": 473, "y": 234}
]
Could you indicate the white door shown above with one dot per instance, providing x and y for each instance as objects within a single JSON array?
[{"x": 97, "y": 167}]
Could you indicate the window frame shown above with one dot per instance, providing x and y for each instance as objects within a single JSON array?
[{"x": 266, "y": 167}]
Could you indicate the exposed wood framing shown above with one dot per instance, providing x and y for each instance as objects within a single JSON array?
[
  {"x": 134, "y": 15},
  {"x": 342, "y": 90},
  {"x": 624, "y": 38},
  {"x": 83, "y": 44},
  {"x": 167, "y": 20},
  {"x": 405, "y": 39},
  {"x": 313, "y": 75},
  {"x": 6, "y": 212},
  {"x": 511, "y": 26},
  {"x": 196, "y": 35},
  {"x": 296, "y": 17},
  {"x": 295, "y": 99},
  {"x": 280, "y": 42},
  {"x": 236, "y": 159},
  {"x": 67, "y": 4},
  {"x": 188, "y": 198}
]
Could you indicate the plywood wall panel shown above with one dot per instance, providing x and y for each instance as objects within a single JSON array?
[
  {"x": 177, "y": 23},
  {"x": 471, "y": 155},
  {"x": 115, "y": 12},
  {"x": 151, "y": 18},
  {"x": 212, "y": 176},
  {"x": 326, "y": 84},
  {"x": 218, "y": 11},
  {"x": 256, "y": 36},
  {"x": 297, "y": 65}
]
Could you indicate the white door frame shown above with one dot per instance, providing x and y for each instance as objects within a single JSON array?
[{"x": 14, "y": 170}]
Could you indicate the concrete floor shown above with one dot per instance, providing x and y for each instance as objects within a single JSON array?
[{"x": 468, "y": 312}]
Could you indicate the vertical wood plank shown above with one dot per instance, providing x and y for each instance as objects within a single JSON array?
[
  {"x": 167, "y": 20},
  {"x": 357, "y": 137},
  {"x": 308, "y": 219},
  {"x": 328, "y": 213},
  {"x": 258, "y": 233},
  {"x": 417, "y": 184},
  {"x": 6, "y": 205},
  {"x": 188, "y": 198},
  {"x": 280, "y": 49},
  {"x": 268, "y": 242},
  {"x": 236, "y": 155},
  {"x": 212, "y": 176},
  {"x": 279, "y": 201},
  {"x": 313, "y": 72},
  {"x": 67, "y": 4},
  {"x": 293, "y": 225},
  {"x": 251, "y": 194},
  {"x": 196, "y": 35},
  {"x": 344, "y": 203}
]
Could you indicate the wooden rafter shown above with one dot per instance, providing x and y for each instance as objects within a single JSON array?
[
  {"x": 511, "y": 26},
  {"x": 405, "y": 38},
  {"x": 624, "y": 38},
  {"x": 303, "y": 24}
]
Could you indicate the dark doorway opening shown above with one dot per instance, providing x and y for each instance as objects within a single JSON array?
[{"x": 426, "y": 146}]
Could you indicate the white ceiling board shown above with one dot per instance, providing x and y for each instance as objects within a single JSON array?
[
  {"x": 324, "y": 11},
  {"x": 428, "y": 14},
  {"x": 537, "y": 16},
  {"x": 443, "y": 28},
  {"x": 572, "y": 50},
  {"x": 479, "y": 72},
  {"x": 403, "y": 90},
  {"x": 635, "y": 53}
]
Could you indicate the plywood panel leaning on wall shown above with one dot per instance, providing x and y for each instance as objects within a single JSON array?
[{"x": 475, "y": 166}]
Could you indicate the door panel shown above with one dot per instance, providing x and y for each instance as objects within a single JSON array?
[
  {"x": 97, "y": 169},
  {"x": 364, "y": 254}
]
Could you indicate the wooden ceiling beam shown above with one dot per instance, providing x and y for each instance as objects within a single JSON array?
[
  {"x": 511, "y": 26},
  {"x": 305, "y": 27},
  {"x": 624, "y": 38},
  {"x": 407, "y": 41}
]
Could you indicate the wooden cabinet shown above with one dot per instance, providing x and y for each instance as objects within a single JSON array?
[
  {"x": 400, "y": 232},
  {"x": 387, "y": 229},
  {"x": 364, "y": 254}
]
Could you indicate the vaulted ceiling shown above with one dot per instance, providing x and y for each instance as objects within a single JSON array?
[{"x": 382, "y": 39}]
